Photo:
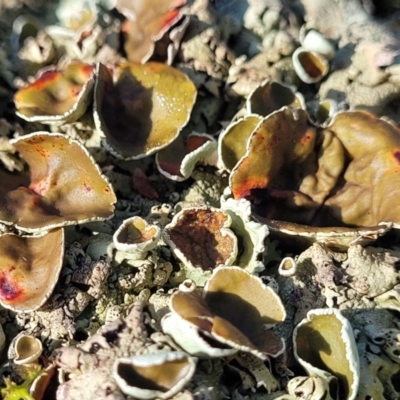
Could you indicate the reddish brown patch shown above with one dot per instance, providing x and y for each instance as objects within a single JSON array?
[
  {"x": 125, "y": 27},
  {"x": 142, "y": 185},
  {"x": 87, "y": 70},
  {"x": 45, "y": 79},
  {"x": 194, "y": 142},
  {"x": 197, "y": 234},
  {"x": 246, "y": 186},
  {"x": 306, "y": 138},
  {"x": 41, "y": 187},
  {"x": 40, "y": 150},
  {"x": 75, "y": 91},
  {"x": 86, "y": 187},
  {"x": 9, "y": 289},
  {"x": 169, "y": 19},
  {"x": 84, "y": 35},
  {"x": 396, "y": 154},
  {"x": 172, "y": 169}
]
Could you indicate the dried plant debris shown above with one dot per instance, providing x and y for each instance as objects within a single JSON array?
[{"x": 199, "y": 199}]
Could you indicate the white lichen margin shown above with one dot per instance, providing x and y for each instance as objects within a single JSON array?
[{"x": 347, "y": 336}]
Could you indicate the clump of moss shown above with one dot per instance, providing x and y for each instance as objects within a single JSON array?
[{"x": 12, "y": 391}]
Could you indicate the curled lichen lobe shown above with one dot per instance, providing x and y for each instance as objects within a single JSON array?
[{"x": 198, "y": 236}]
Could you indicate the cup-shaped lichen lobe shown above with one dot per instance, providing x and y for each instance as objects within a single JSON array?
[
  {"x": 279, "y": 142},
  {"x": 167, "y": 374},
  {"x": 178, "y": 160},
  {"x": 156, "y": 375},
  {"x": 270, "y": 96},
  {"x": 136, "y": 231},
  {"x": 215, "y": 334},
  {"x": 146, "y": 23},
  {"x": 135, "y": 237},
  {"x": 30, "y": 269},
  {"x": 248, "y": 304},
  {"x": 324, "y": 341},
  {"x": 65, "y": 185},
  {"x": 342, "y": 175},
  {"x": 131, "y": 104},
  {"x": 192, "y": 325},
  {"x": 235, "y": 309},
  {"x": 310, "y": 66},
  {"x": 193, "y": 308},
  {"x": 251, "y": 234},
  {"x": 232, "y": 142},
  {"x": 314, "y": 348},
  {"x": 141, "y": 108},
  {"x": 200, "y": 236},
  {"x": 138, "y": 377},
  {"x": 27, "y": 349},
  {"x": 56, "y": 96},
  {"x": 245, "y": 290},
  {"x": 287, "y": 267},
  {"x": 371, "y": 176},
  {"x": 169, "y": 159}
]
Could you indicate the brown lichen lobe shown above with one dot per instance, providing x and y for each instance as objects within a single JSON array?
[
  {"x": 56, "y": 94},
  {"x": 137, "y": 232},
  {"x": 65, "y": 185},
  {"x": 343, "y": 175},
  {"x": 150, "y": 104},
  {"x": 30, "y": 269},
  {"x": 197, "y": 234}
]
